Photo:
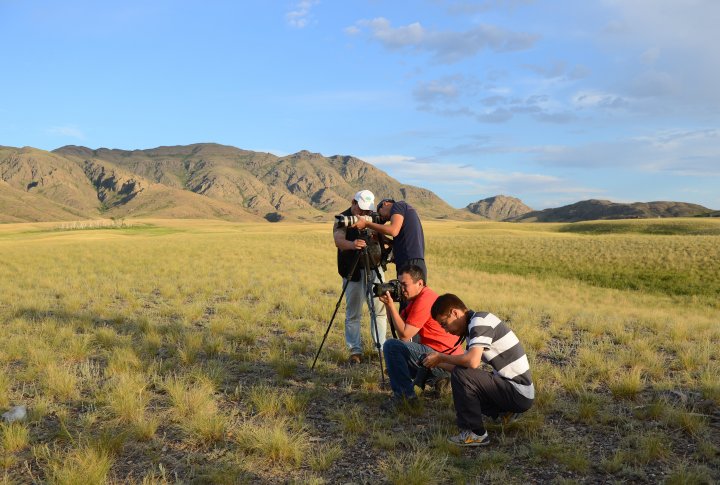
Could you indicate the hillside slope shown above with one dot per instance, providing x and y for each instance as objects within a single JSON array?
[
  {"x": 588, "y": 210},
  {"x": 50, "y": 177},
  {"x": 196, "y": 181},
  {"x": 303, "y": 186},
  {"x": 499, "y": 208}
]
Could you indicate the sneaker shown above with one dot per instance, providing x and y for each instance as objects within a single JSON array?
[
  {"x": 468, "y": 438},
  {"x": 355, "y": 359}
]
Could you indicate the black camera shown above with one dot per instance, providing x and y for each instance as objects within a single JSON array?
[
  {"x": 422, "y": 374},
  {"x": 347, "y": 221},
  {"x": 393, "y": 286}
]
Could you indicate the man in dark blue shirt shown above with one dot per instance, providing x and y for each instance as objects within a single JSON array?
[{"x": 405, "y": 229}]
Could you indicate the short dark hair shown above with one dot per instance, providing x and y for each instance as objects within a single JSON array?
[
  {"x": 445, "y": 304},
  {"x": 415, "y": 272},
  {"x": 382, "y": 203}
]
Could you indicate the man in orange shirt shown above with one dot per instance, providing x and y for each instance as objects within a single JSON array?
[{"x": 401, "y": 355}]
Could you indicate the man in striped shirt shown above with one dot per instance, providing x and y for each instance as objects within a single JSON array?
[{"x": 500, "y": 393}]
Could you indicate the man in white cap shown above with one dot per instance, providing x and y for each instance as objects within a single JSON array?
[{"x": 349, "y": 242}]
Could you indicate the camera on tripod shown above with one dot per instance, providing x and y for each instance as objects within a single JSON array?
[
  {"x": 393, "y": 286},
  {"x": 347, "y": 221}
]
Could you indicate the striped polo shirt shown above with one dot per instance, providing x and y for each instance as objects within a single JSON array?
[{"x": 503, "y": 351}]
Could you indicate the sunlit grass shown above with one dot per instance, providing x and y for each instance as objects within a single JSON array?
[
  {"x": 194, "y": 408},
  {"x": 415, "y": 468},
  {"x": 194, "y": 338},
  {"x": 669, "y": 264},
  {"x": 84, "y": 464},
  {"x": 275, "y": 440},
  {"x": 14, "y": 437}
]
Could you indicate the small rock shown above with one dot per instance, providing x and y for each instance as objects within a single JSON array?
[
  {"x": 706, "y": 405},
  {"x": 16, "y": 413},
  {"x": 677, "y": 396}
]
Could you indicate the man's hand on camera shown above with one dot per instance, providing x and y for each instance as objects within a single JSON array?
[
  {"x": 386, "y": 298},
  {"x": 431, "y": 360},
  {"x": 359, "y": 243},
  {"x": 360, "y": 224}
]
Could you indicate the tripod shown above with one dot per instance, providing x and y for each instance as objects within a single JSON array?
[{"x": 369, "y": 271}]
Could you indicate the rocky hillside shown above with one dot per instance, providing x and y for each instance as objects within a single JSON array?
[
  {"x": 52, "y": 180},
  {"x": 588, "y": 210},
  {"x": 499, "y": 208},
  {"x": 301, "y": 186},
  {"x": 202, "y": 180},
  {"x": 216, "y": 181}
]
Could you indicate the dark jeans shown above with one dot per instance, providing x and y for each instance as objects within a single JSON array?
[
  {"x": 401, "y": 362},
  {"x": 477, "y": 392}
]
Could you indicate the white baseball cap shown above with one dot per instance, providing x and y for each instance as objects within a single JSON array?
[{"x": 365, "y": 200}]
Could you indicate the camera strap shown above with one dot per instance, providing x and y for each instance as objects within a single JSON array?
[{"x": 457, "y": 344}]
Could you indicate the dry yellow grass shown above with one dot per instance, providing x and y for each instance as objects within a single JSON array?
[{"x": 180, "y": 350}]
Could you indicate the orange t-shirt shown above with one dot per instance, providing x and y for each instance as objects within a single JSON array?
[{"x": 417, "y": 314}]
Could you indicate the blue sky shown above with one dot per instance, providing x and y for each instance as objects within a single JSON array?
[{"x": 549, "y": 101}]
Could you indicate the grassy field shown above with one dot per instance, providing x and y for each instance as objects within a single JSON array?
[{"x": 179, "y": 351}]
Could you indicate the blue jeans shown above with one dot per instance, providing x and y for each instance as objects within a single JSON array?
[
  {"x": 401, "y": 361},
  {"x": 354, "y": 303}
]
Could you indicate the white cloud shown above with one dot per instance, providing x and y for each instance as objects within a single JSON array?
[
  {"x": 454, "y": 96},
  {"x": 386, "y": 160},
  {"x": 408, "y": 35},
  {"x": 668, "y": 52},
  {"x": 67, "y": 131},
  {"x": 301, "y": 15},
  {"x": 679, "y": 152},
  {"x": 445, "y": 89},
  {"x": 446, "y": 46},
  {"x": 432, "y": 170},
  {"x": 595, "y": 99},
  {"x": 468, "y": 183}
]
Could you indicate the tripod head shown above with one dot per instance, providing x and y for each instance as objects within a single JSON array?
[{"x": 378, "y": 248}]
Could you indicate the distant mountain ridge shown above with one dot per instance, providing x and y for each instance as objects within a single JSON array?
[
  {"x": 215, "y": 181},
  {"x": 594, "y": 209},
  {"x": 195, "y": 181},
  {"x": 499, "y": 208}
]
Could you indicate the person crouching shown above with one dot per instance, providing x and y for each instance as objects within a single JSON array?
[{"x": 499, "y": 394}]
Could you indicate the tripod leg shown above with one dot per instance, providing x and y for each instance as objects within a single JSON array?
[
  {"x": 337, "y": 307},
  {"x": 369, "y": 297}
]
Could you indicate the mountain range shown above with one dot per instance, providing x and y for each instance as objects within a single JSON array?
[
  {"x": 214, "y": 181},
  {"x": 194, "y": 181},
  {"x": 594, "y": 209}
]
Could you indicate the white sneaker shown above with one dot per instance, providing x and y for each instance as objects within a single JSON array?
[{"x": 468, "y": 438}]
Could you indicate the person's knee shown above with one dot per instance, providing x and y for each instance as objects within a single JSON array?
[
  {"x": 464, "y": 378},
  {"x": 392, "y": 346},
  {"x": 459, "y": 374}
]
